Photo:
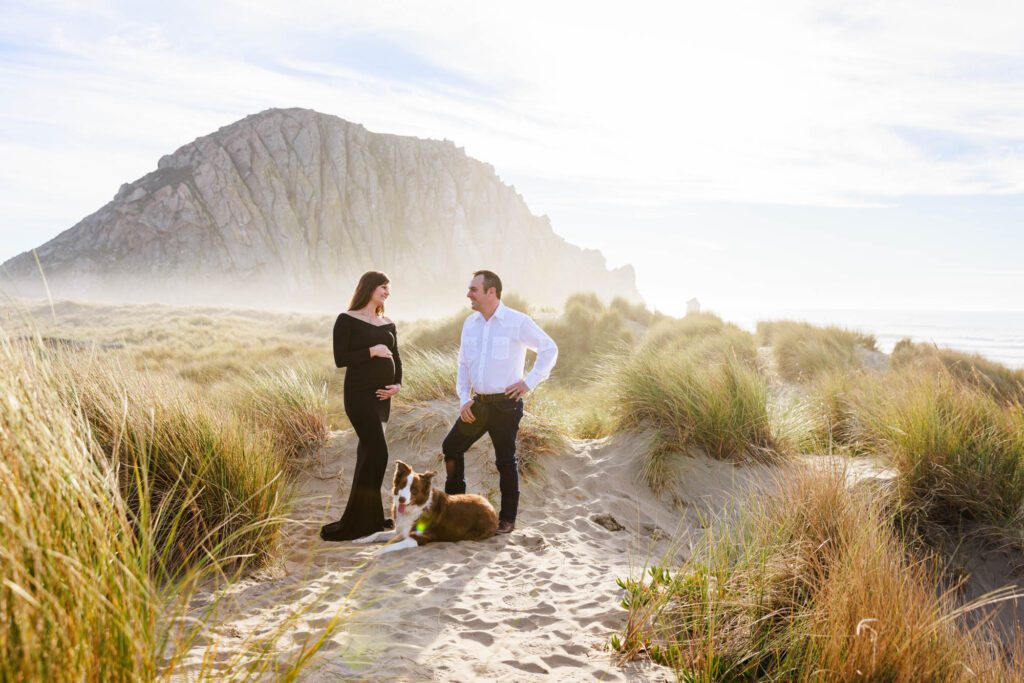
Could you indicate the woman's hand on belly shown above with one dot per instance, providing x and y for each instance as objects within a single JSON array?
[
  {"x": 380, "y": 351},
  {"x": 388, "y": 391}
]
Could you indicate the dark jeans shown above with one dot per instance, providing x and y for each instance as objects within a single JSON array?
[{"x": 499, "y": 419}]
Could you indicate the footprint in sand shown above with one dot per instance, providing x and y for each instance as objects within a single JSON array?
[
  {"x": 481, "y": 637},
  {"x": 528, "y": 667}
]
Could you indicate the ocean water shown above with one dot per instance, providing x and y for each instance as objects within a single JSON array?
[{"x": 998, "y": 335}]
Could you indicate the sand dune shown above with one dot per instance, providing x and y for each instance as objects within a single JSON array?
[{"x": 539, "y": 604}]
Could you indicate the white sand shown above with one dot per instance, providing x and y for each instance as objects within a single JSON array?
[{"x": 538, "y": 604}]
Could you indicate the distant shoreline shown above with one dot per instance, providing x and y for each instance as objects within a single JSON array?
[{"x": 997, "y": 335}]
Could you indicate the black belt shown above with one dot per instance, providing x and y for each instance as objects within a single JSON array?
[{"x": 491, "y": 398}]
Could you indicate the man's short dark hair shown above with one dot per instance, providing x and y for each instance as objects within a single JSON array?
[{"x": 490, "y": 280}]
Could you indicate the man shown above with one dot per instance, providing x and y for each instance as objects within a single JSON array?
[{"x": 492, "y": 356}]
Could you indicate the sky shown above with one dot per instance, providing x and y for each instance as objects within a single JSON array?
[{"x": 763, "y": 156}]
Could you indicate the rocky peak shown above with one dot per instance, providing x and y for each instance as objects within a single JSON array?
[{"x": 287, "y": 207}]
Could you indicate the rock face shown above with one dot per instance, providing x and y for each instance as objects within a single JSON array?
[{"x": 286, "y": 208}]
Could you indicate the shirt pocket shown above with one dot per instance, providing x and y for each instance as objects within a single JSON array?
[
  {"x": 499, "y": 348},
  {"x": 470, "y": 348}
]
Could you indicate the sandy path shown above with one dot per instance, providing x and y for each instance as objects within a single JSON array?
[{"x": 539, "y": 604}]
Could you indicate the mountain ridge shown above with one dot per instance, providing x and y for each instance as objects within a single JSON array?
[{"x": 287, "y": 207}]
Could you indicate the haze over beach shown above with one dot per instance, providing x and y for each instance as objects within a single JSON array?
[
  {"x": 803, "y": 156},
  {"x": 752, "y": 376}
]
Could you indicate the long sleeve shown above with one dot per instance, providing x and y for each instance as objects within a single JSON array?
[
  {"x": 344, "y": 355},
  {"x": 537, "y": 339},
  {"x": 398, "y": 360},
  {"x": 463, "y": 386}
]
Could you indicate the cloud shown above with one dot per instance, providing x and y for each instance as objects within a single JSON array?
[{"x": 582, "y": 105}]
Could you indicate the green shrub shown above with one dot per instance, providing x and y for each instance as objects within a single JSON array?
[{"x": 637, "y": 312}]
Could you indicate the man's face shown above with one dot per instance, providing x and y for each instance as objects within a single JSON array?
[{"x": 477, "y": 298}]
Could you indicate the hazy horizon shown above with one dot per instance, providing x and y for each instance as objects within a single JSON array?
[{"x": 798, "y": 156}]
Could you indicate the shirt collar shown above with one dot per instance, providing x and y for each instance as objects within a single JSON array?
[{"x": 499, "y": 313}]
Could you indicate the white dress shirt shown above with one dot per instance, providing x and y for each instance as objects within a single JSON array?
[{"x": 492, "y": 353}]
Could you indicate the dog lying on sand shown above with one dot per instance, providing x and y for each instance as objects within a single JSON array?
[{"x": 424, "y": 514}]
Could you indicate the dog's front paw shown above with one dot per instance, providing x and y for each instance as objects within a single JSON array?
[
  {"x": 401, "y": 545},
  {"x": 376, "y": 537}
]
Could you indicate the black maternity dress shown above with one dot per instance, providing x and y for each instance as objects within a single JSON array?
[{"x": 353, "y": 338}]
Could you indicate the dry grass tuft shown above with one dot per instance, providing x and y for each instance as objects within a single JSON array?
[
  {"x": 75, "y": 598},
  {"x": 1002, "y": 383},
  {"x": 809, "y": 582},
  {"x": 804, "y": 351},
  {"x": 291, "y": 405},
  {"x": 959, "y": 453}
]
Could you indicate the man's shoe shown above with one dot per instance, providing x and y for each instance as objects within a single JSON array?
[{"x": 505, "y": 527}]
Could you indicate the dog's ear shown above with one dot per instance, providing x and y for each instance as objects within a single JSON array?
[
  {"x": 401, "y": 472},
  {"x": 428, "y": 476}
]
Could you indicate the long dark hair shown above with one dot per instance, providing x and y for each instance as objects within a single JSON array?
[{"x": 371, "y": 280}]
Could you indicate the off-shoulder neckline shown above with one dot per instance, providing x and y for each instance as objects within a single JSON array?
[{"x": 366, "y": 322}]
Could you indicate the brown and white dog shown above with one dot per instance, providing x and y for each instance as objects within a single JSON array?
[{"x": 424, "y": 514}]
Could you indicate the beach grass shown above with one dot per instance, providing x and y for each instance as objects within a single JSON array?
[
  {"x": 428, "y": 375},
  {"x": 290, "y": 404},
  {"x": 116, "y": 507},
  {"x": 712, "y": 400},
  {"x": 586, "y": 331},
  {"x": 1002, "y": 383},
  {"x": 958, "y": 451},
  {"x": 702, "y": 334},
  {"x": 215, "y": 489},
  {"x": 803, "y": 351},
  {"x": 809, "y": 582},
  {"x": 174, "y": 458},
  {"x": 75, "y": 598}
]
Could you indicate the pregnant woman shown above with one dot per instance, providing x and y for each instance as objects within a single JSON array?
[{"x": 366, "y": 343}]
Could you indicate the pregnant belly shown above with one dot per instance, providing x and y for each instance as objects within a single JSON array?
[{"x": 379, "y": 372}]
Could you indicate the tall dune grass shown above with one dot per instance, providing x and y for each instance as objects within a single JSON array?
[
  {"x": 688, "y": 401},
  {"x": 586, "y": 330},
  {"x": 834, "y": 404},
  {"x": 1002, "y": 383},
  {"x": 704, "y": 335},
  {"x": 428, "y": 375},
  {"x": 958, "y": 452},
  {"x": 692, "y": 383},
  {"x": 214, "y": 488},
  {"x": 809, "y": 583},
  {"x": 804, "y": 351},
  {"x": 290, "y": 403},
  {"x": 121, "y": 496},
  {"x": 75, "y": 598}
]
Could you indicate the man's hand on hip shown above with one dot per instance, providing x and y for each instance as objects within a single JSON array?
[
  {"x": 517, "y": 390},
  {"x": 467, "y": 412}
]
